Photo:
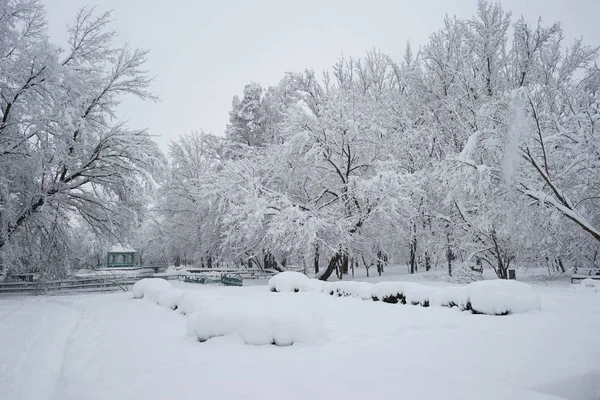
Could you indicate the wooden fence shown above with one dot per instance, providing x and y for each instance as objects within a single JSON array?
[
  {"x": 110, "y": 283},
  {"x": 92, "y": 284}
]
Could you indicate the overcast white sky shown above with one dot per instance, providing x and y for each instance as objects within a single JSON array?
[{"x": 204, "y": 52}]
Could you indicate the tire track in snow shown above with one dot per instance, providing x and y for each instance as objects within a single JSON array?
[
  {"x": 61, "y": 381},
  {"x": 10, "y": 312},
  {"x": 39, "y": 333}
]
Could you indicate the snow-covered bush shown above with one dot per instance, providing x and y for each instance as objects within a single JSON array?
[
  {"x": 290, "y": 281},
  {"x": 452, "y": 297},
  {"x": 257, "y": 330},
  {"x": 416, "y": 294},
  {"x": 314, "y": 285},
  {"x": 212, "y": 322},
  {"x": 256, "y": 326},
  {"x": 279, "y": 329},
  {"x": 403, "y": 293},
  {"x": 495, "y": 297},
  {"x": 362, "y": 290},
  {"x": 149, "y": 288},
  {"x": 138, "y": 288},
  {"x": 388, "y": 292},
  {"x": 153, "y": 289},
  {"x": 170, "y": 298},
  {"x": 502, "y": 297},
  {"x": 190, "y": 326},
  {"x": 190, "y": 302}
]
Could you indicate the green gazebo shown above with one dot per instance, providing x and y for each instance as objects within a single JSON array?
[{"x": 120, "y": 257}]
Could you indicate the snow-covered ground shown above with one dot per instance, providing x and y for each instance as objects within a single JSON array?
[{"x": 110, "y": 346}]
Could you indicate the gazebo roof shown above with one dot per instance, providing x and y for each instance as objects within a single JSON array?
[{"x": 121, "y": 249}]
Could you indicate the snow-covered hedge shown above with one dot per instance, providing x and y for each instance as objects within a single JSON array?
[
  {"x": 190, "y": 302},
  {"x": 362, "y": 290},
  {"x": 256, "y": 327},
  {"x": 212, "y": 322},
  {"x": 403, "y": 293},
  {"x": 454, "y": 296},
  {"x": 149, "y": 288},
  {"x": 502, "y": 297},
  {"x": 256, "y": 324},
  {"x": 289, "y": 281},
  {"x": 170, "y": 298},
  {"x": 494, "y": 297}
]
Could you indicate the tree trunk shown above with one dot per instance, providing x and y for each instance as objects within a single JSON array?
[
  {"x": 317, "y": 258},
  {"x": 449, "y": 252},
  {"x": 366, "y": 266},
  {"x": 333, "y": 265},
  {"x": 561, "y": 266},
  {"x": 413, "y": 251}
]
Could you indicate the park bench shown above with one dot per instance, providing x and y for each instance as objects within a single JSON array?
[
  {"x": 581, "y": 273},
  {"x": 231, "y": 280},
  {"x": 223, "y": 279}
]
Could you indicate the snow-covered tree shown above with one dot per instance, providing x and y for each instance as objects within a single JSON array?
[{"x": 63, "y": 155}]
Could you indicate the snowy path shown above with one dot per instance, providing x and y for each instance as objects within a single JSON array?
[{"x": 112, "y": 347}]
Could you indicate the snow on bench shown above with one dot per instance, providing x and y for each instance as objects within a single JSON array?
[
  {"x": 590, "y": 283},
  {"x": 585, "y": 273}
]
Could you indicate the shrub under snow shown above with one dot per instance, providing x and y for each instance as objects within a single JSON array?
[
  {"x": 215, "y": 321},
  {"x": 170, "y": 297},
  {"x": 190, "y": 302},
  {"x": 153, "y": 289},
  {"x": 501, "y": 297},
  {"x": 453, "y": 296},
  {"x": 362, "y": 290},
  {"x": 289, "y": 281},
  {"x": 149, "y": 288},
  {"x": 494, "y": 297},
  {"x": 256, "y": 326}
]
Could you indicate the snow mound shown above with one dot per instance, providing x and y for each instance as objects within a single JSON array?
[
  {"x": 149, "y": 288},
  {"x": 170, "y": 298},
  {"x": 279, "y": 329},
  {"x": 502, "y": 297},
  {"x": 403, "y": 293},
  {"x": 418, "y": 295},
  {"x": 590, "y": 283},
  {"x": 190, "y": 302},
  {"x": 361, "y": 290},
  {"x": 215, "y": 321},
  {"x": 290, "y": 281},
  {"x": 452, "y": 297},
  {"x": 314, "y": 285},
  {"x": 190, "y": 324},
  {"x": 256, "y": 326}
]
